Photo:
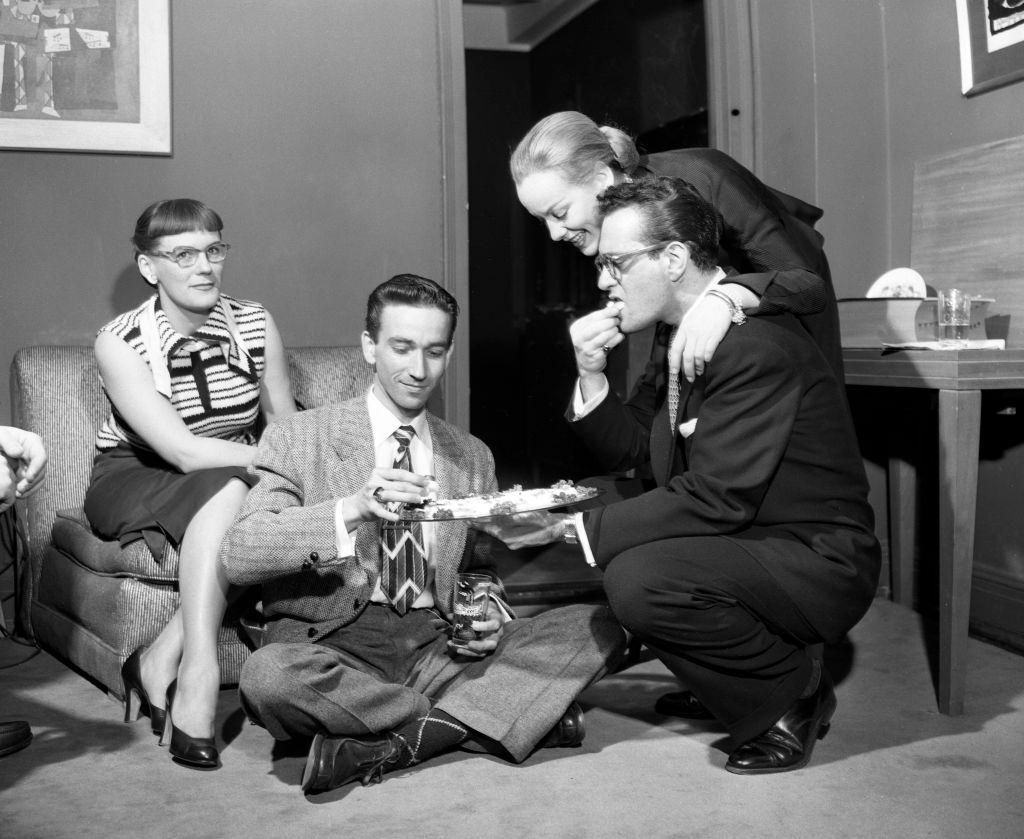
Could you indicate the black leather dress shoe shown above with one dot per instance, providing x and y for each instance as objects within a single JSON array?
[
  {"x": 682, "y": 704},
  {"x": 787, "y": 745},
  {"x": 569, "y": 731},
  {"x": 15, "y": 735},
  {"x": 334, "y": 761}
]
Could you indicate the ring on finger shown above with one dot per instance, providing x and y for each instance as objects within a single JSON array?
[
  {"x": 376, "y": 495},
  {"x": 606, "y": 350}
]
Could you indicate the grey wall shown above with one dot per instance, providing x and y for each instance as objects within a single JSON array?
[
  {"x": 851, "y": 93},
  {"x": 315, "y": 134}
]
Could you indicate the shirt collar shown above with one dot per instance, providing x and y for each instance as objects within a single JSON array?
[
  {"x": 213, "y": 331},
  {"x": 715, "y": 280},
  {"x": 383, "y": 423},
  {"x": 218, "y": 330}
]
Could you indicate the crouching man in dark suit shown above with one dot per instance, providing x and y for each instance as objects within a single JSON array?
[
  {"x": 757, "y": 543},
  {"x": 357, "y": 653}
]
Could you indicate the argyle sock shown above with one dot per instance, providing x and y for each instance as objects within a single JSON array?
[{"x": 427, "y": 736}]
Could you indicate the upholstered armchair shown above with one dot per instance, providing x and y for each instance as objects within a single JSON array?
[{"x": 85, "y": 599}]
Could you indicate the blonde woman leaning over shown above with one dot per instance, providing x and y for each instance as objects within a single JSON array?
[
  {"x": 188, "y": 374},
  {"x": 769, "y": 245}
]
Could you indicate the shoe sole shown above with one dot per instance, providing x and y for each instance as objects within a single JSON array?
[
  {"x": 202, "y": 767},
  {"x": 309, "y": 770}
]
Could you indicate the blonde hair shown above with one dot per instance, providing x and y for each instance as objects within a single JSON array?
[{"x": 575, "y": 145}]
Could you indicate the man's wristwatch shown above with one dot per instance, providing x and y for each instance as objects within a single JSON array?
[
  {"x": 737, "y": 314},
  {"x": 570, "y": 532}
]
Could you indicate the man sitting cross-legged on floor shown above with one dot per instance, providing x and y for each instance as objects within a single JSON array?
[{"x": 358, "y": 656}]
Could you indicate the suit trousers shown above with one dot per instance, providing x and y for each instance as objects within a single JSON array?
[
  {"x": 721, "y": 623},
  {"x": 384, "y": 670}
]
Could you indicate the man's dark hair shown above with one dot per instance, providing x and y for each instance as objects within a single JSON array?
[
  {"x": 409, "y": 290},
  {"x": 671, "y": 211}
]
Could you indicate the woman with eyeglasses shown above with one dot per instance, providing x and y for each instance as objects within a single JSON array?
[
  {"x": 190, "y": 374},
  {"x": 566, "y": 160}
]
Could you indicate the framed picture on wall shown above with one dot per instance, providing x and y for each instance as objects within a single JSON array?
[
  {"x": 991, "y": 36},
  {"x": 85, "y": 75}
]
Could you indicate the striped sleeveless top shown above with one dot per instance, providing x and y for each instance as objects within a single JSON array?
[{"x": 211, "y": 378}]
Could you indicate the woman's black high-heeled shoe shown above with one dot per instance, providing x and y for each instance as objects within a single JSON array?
[
  {"x": 131, "y": 680},
  {"x": 193, "y": 752}
]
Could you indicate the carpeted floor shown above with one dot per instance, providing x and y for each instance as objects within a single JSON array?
[{"x": 891, "y": 766}]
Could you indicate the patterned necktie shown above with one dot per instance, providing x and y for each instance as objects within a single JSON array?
[
  {"x": 403, "y": 564},
  {"x": 673, "y": 394}
]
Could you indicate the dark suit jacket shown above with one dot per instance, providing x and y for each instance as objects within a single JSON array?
[
  {"x": 768, "y": 240},
  {"x": 772, "y": 463},
  {"x": 286, "y": 532}
]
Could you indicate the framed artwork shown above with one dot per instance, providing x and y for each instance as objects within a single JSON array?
[
  {"x": 85, "y": 75},
  {"x": 991, "y": 36}
]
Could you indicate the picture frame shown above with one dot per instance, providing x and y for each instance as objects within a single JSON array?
[
  {"x": 85, "y": 75},
  {"x": 991, "y": 35}
]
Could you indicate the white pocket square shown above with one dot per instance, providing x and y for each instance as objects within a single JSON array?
[{"x": 687, "y": 428}]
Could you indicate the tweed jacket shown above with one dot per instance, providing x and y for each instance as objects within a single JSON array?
[{"x": 284, "y": 537}]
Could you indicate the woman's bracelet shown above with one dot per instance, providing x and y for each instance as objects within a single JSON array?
[{"x": 737, "y": 315}]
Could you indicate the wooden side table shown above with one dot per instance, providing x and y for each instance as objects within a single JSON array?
[{"x": 959, "y": 376}]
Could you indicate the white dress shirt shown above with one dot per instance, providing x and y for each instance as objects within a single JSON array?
[{"x": 383, "y": 425}]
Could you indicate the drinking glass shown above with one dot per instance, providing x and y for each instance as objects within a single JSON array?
[
  {"x": 472, "y": 592},
  {"x": 954, "y": 316}
]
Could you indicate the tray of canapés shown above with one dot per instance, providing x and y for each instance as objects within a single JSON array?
[{"x": 502, "y": 503}]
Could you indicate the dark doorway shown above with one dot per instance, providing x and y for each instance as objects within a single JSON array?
[{"x": 641, "y": 66}]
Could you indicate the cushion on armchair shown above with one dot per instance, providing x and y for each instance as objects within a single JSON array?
[{"x": 73, "y": 535}]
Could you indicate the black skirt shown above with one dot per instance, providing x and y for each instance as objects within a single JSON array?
[{"x": 138, "y": 495}]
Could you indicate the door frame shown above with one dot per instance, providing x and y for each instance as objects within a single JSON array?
[
  {"x": 454, "y": 200},
  {"x": 732, "y": 76}
]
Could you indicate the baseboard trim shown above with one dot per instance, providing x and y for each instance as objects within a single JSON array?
[{"x": 997, "y": 606}]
